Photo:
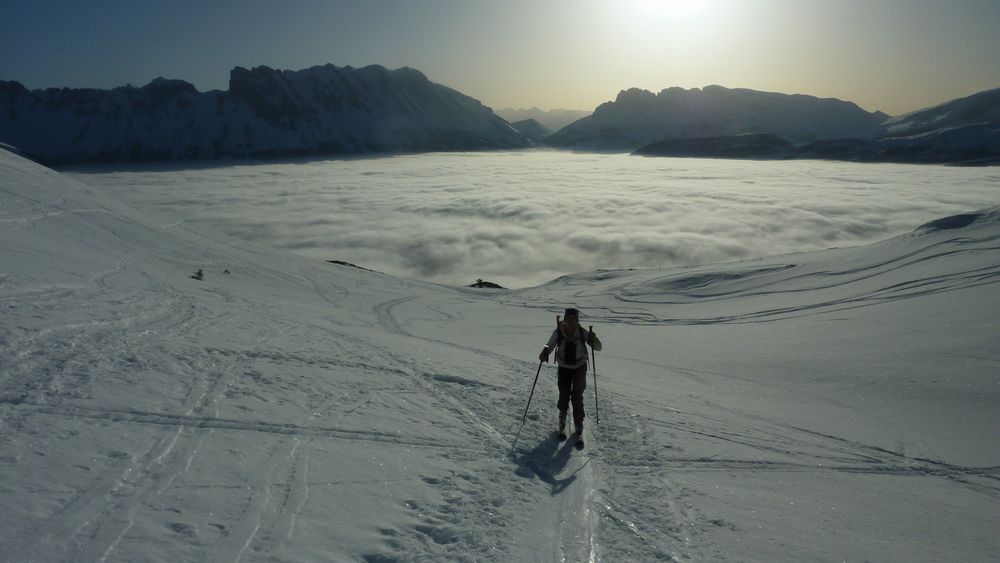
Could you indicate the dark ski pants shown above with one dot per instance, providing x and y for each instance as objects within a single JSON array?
[{"x": 572, "y": 382}]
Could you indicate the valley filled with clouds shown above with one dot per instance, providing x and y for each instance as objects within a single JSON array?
[{"x": 522, "y": 218}]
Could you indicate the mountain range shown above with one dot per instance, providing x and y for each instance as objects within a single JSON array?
[
  {"x": 264, "y": 113},
  {"x": 553, "y": 119},
  {"x": 639, "y": 117},
  {"x": 962, "y": 131},
  {"x": 330, "y": 110}
]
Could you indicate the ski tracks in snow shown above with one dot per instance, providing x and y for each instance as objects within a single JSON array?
[
  {"x": 560, "y": 504},
  {"x": 105, "y": 353},
  {"x": 546, "y": 504}
]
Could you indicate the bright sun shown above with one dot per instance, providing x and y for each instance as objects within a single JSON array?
[
  {"x": 684, "y": 16},
  {"x": 648, "y": 36},
  {"x": 679, "y": 9}
]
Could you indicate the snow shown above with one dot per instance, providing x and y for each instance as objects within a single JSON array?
[
  {"x": 981, "y": 107},
  {"x": 830, "y": 405}
]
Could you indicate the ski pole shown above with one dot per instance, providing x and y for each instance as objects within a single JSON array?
[
  {"x": 525, "y": 417},
  {"x": 593, "y": 356},
  {"x": 540, "y": 362}
]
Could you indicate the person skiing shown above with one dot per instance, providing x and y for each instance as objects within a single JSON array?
[{"x": 570, "y": 341}]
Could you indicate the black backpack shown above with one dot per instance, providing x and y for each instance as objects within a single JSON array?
[{"x": 568, "y": 345}]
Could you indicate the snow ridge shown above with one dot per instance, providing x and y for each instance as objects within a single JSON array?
[{"x": 980, "y": 108}]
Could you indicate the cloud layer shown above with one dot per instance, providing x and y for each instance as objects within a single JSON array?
[{"x": 523, "y": 218}]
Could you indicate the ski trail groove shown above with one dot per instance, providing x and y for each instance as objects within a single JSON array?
[{"x": 570, "y": 508}]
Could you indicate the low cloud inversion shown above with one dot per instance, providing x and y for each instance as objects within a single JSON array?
[{"x": 523, "y": 218}]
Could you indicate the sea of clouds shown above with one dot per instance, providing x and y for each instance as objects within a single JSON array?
[{"x": 523, "y": 218}]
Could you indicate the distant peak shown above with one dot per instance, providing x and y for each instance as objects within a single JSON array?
[
  {"x": 12, "y": 87},
  {"x": 161, "y": 86},
  {"x": 635, "y": 94},
  {"x": 260, "y": 71}
]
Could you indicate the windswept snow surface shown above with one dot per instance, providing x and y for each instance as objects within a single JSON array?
[{"x": 836, "y": 405}]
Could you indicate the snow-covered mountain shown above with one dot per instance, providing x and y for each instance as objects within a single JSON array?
[
  {"x": 977, "y": 109},
  {"x": 967, "y": 145},
  {"x": 553, "y": 119},
  {"x": 834, "y": 405},
  {"x": 977, "y": 144},
  {"x": 639, "y": 117},
  {"x": 319, "y": 110},
  {"x": 962, "y": 131},
  {"x": 965, "y": 130}
]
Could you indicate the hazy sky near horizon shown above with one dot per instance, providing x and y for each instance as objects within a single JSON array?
[{"x": 889, "y": 55}]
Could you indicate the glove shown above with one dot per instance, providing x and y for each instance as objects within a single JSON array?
[{"x": 544, "y": 355}]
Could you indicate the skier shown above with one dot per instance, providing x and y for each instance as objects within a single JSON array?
[{"x": 571, "y": 340}]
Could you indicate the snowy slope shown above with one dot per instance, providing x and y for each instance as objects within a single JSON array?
[
  {"x": 266, "y": 112},
  {"x": 838, "y": 405},
  {"x": 982, "y": 107},
  {"x": 962, "y": 131},
  {"x": 977, "y": 144}
]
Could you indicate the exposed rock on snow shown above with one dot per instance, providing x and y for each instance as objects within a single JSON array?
[
  {"x": 961, "y": 221},
  {"x": 319, "y": 110},
  {"x": 482, "y": 284}
]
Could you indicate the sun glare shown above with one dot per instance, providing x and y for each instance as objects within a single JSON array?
[
  {"x": 641, "y": 19},
  {"x": 681, "y": 10},
  {"x": 651, "y": 28}
]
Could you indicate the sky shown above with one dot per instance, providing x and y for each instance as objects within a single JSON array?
[{"x": 888, "y": 55}]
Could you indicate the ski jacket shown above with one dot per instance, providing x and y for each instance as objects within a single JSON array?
[{"x": 575, "y": 343}]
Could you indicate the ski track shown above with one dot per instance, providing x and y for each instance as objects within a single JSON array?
[
  {"x": 523, "y": 495},
  {"x": 785, "y": 274},
  {"x": 578, "y": 494},
  {"x": 570, "y": 505},
  {"x": 627, "y": 455},
  {"x": 93, "y": 523}
]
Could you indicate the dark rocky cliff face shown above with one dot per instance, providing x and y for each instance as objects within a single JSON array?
[
  {"x": 265, "y": 112},
  {"x": 639, "y": 117}
]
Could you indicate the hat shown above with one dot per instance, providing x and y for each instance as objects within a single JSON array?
[{"x": 571, "y": 312}]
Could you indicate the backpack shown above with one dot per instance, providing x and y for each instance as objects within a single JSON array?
[{"x": 568, "y": 345}]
